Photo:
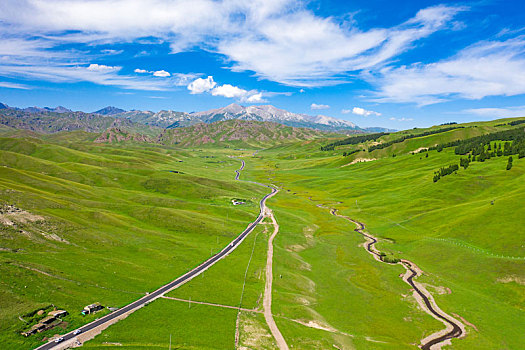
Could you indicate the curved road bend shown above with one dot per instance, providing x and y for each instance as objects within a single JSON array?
[
  {"x": 456, "y": 331},
  {"x": 108, "y": 319}
]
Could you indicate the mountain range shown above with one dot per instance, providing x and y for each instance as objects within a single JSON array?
[
  {"x": 56, "y": 119},
  {"x": 266, "y": 113}
]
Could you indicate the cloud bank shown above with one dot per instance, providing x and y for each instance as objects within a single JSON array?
[
  {"x": 315, "y": 106},
  {"x": 313, "y": 50},
  {"x": 360, "y": 111}
]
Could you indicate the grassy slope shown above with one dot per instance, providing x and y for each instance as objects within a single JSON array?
[
  {"x": 132, "y": 225},
  {"x": 238, "y": 134},
  {"x": 449, "y": 228},
  {"x": 200, "y": 326}
]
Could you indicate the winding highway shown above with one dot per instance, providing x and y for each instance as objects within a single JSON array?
[{"x": 111, "y": 318}]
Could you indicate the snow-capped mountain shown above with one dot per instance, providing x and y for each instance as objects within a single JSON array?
[
  {"x": 273, "y": 114},
  {"x": 172, "y": 119}
]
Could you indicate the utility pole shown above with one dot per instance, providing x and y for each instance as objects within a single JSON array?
[
  {"x": 189, "y": 303},
  {"x": 170, "y": 341}
]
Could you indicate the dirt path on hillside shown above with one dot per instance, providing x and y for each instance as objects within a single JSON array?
[
  {"x": 453, "y": 327},
  {"x": 267, "y": 301}
]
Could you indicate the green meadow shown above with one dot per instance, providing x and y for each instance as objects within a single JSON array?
[
  {"x": 132, "y": 216},
  {"x": 463, "y": 231},
  {"x": 114, "y": 222}
]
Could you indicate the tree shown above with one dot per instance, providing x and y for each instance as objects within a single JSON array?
[{"x": 509, "y": 163}]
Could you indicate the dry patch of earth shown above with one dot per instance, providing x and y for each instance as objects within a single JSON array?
[
  {"x": 254, "y": 335},
  {"x": 508, "y": 279},
  {"x": 359, "y": 160},
  {"x": 26, "y": 223}
]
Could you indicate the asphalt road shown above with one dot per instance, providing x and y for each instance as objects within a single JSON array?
[{"x": 174, "y": 284}]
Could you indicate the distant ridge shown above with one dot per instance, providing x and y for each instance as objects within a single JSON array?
[
  {"x": 58, "y": 109},
  {"x": 266, "y": 113},
  {"x": 269, "y": 113},
  {"x": 110, "y": 110},
  {"x": 238, "y": 133},
  {"x": 169, "y": 119}
]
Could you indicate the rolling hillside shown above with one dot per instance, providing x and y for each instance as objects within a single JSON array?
[
  {"x": 238, "y": 133},
  {"x": 108, "y": 221}
]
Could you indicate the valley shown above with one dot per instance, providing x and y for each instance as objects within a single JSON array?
[{"x": 343, "y": 239}]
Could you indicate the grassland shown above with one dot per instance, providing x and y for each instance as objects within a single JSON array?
[
  {"x": 133, "y": 225},
  {"x": 116, "y": 222},
  {"x": 462, "y": 231}
]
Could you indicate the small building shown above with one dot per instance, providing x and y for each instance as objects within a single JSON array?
[
  {"x": 91, "y": 308},
  {"x": 57, "y": 313},
  {"x": 48, "y": 320},
  {"x": 33, "y": 330},
  {"x": 39, "y": 327}
]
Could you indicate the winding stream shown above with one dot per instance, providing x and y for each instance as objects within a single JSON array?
[{"x": 453, "y": 327}]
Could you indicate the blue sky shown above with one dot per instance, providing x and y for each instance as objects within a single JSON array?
[{"x": 376, "y": 63}]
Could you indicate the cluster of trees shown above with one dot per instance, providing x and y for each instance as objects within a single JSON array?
[
  {"x": 517, "y": 122},
  {"x": 464, "y": 162},
  {"x": 411, "y": 136},
  {"x": 476, "y": 145},
  {"x": 345, "y": 154},
  {"x": 354, "y": 140},
  {"x": 512, "y": 123},
  {"x": 445, "y": 171},
  {"x": 479, "y": 148}
]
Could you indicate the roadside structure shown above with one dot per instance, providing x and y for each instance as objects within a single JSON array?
[{"x": 91, "y": 308}]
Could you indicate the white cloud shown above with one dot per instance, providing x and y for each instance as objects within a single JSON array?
[
  {"x": 255, "y": 98},
  {"x": 102, "y": 68},
  {"x": 228, "y": 90},
  {"x": 490, "y": 68},
  {"x": 317, "y": 51},
  {"x": 313, "y": 50},
  {"x": 112, "y": 52},
  {"x": 401, "y": 119},
  {"x": 498, "y": 112},
  {"x": 141, "y": 71},
  {"x": 161, "y": 73},
  {"x": 315, "y": 106},
  {"x": 361, "y": 111},
  {"x": 200, "y": 85},
  {"x": 8, "y": 85},
  {"x": 33, "y": 59}
]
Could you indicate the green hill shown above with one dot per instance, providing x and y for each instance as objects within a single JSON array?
[
  {"x": 107, "y": 221},
  {"x": 237, "y": 133}
]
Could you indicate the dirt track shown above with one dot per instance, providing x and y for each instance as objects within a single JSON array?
[{"x": 267, "y": 301}]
